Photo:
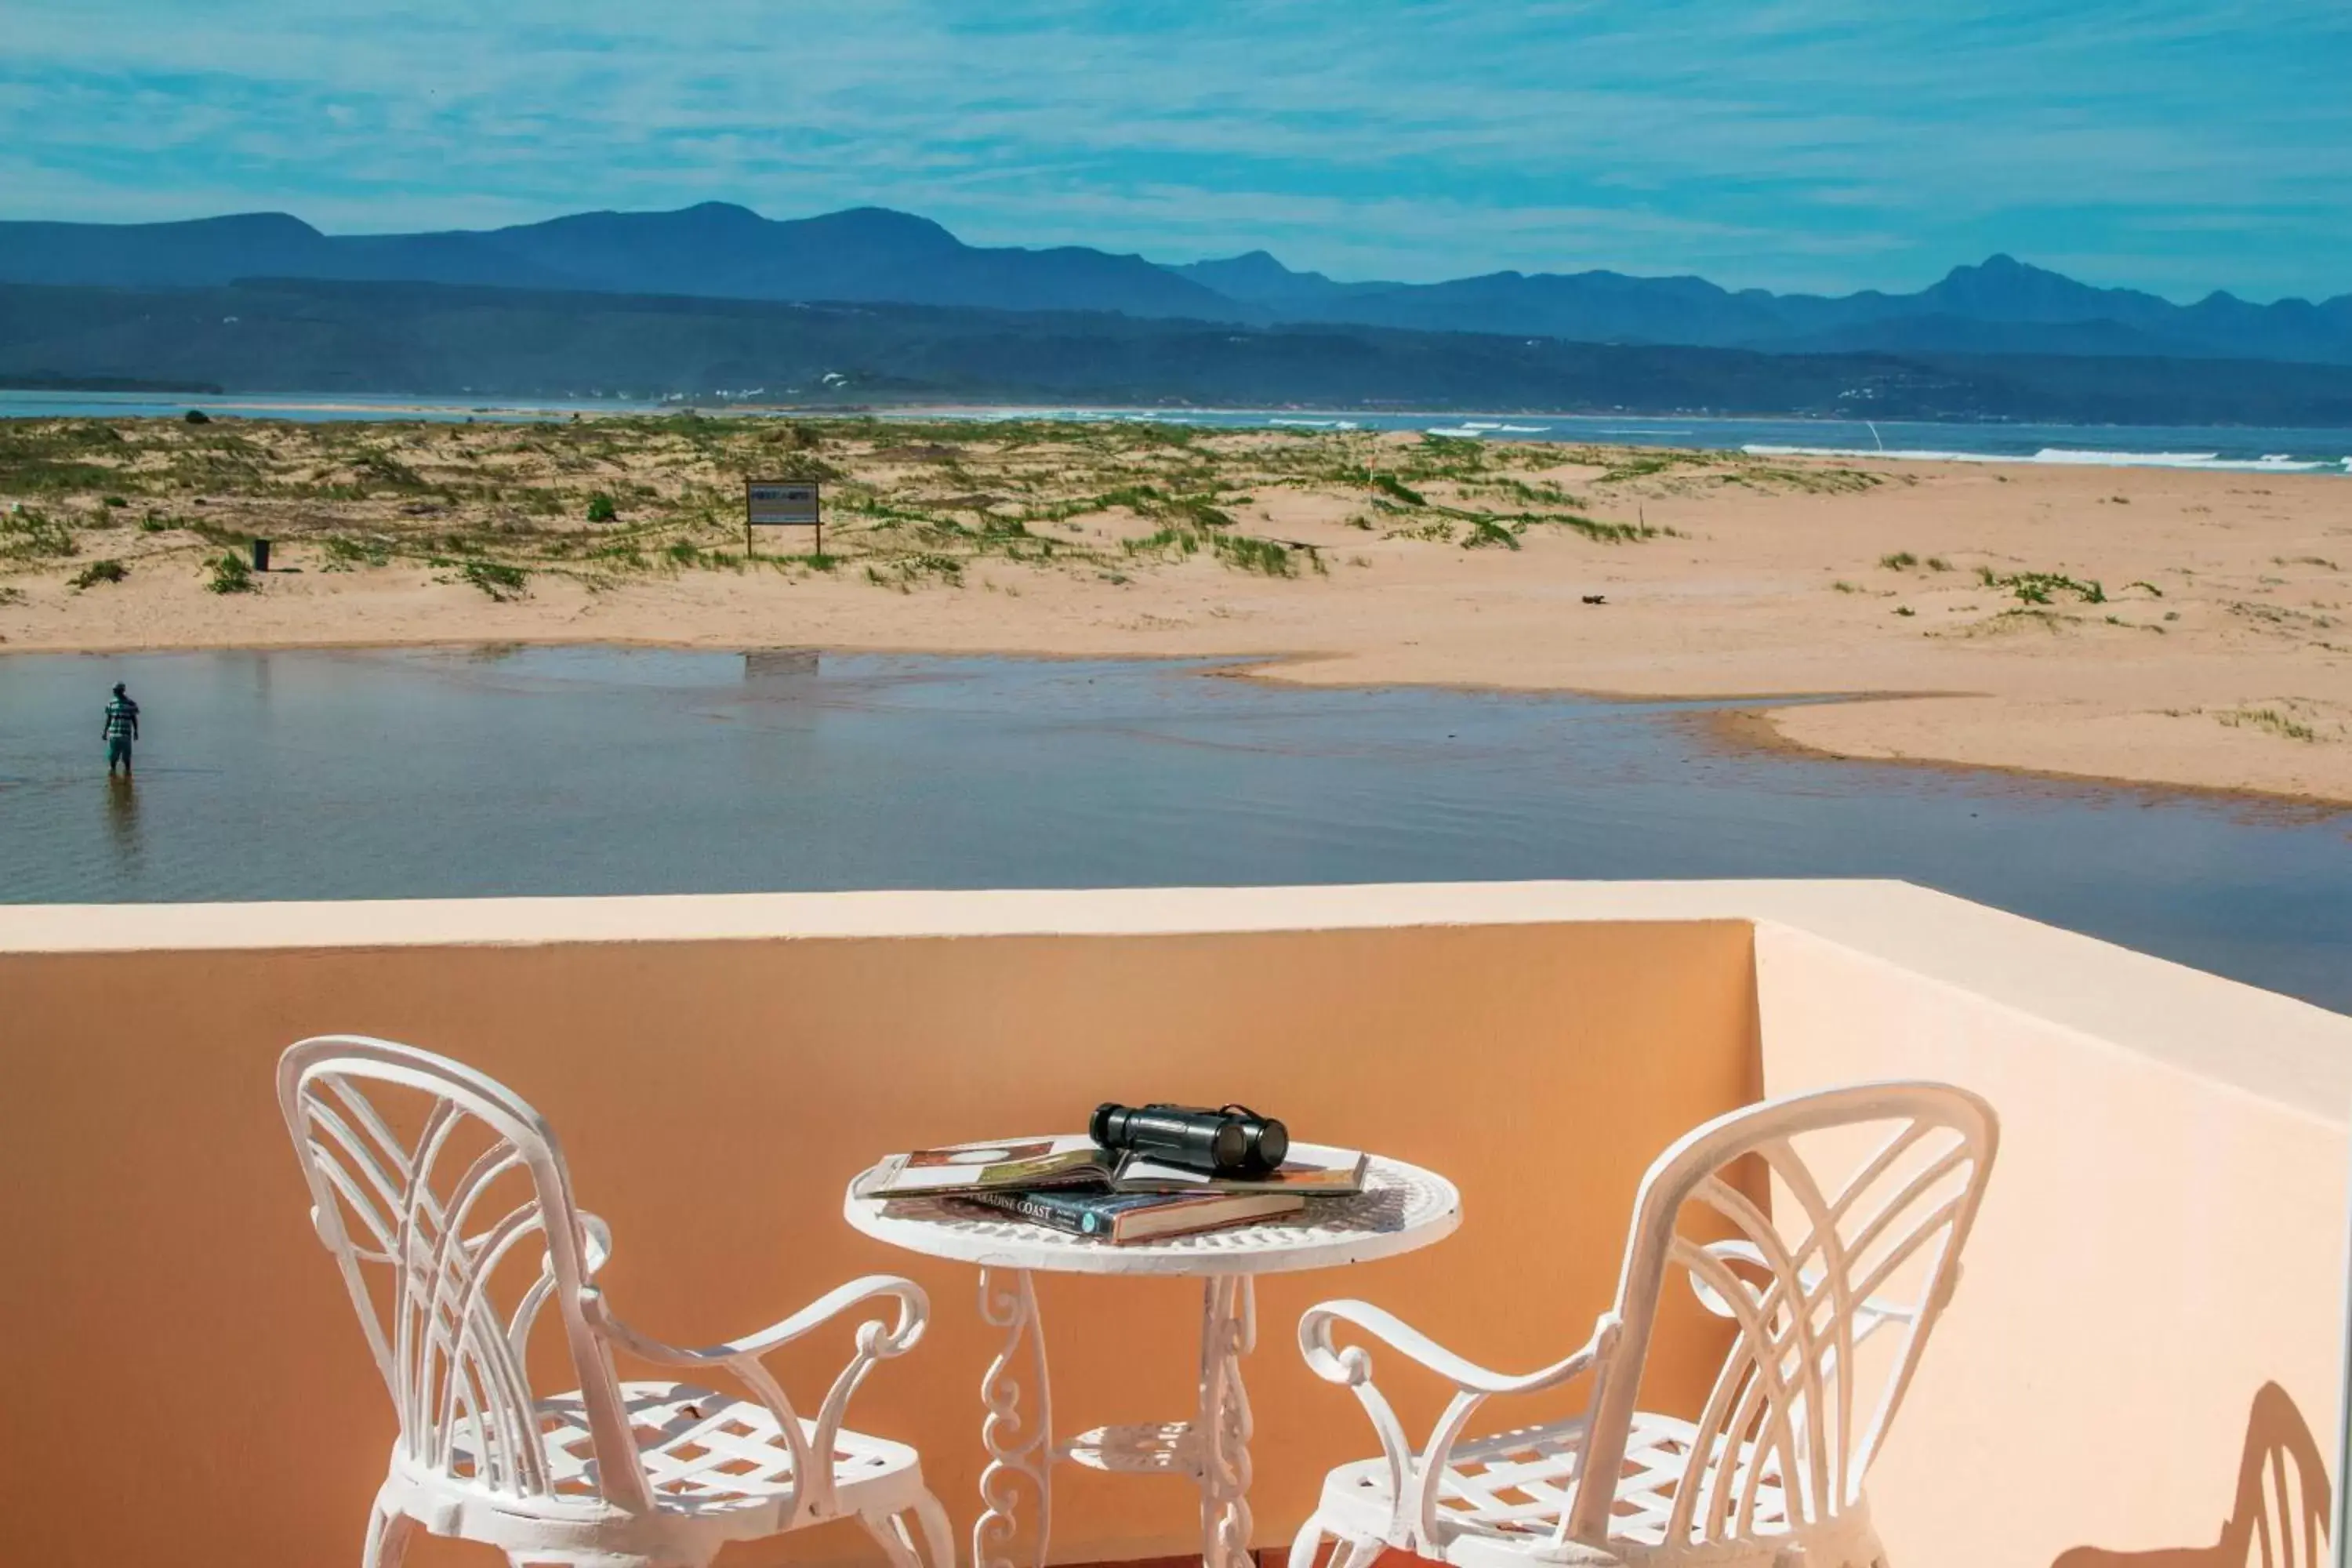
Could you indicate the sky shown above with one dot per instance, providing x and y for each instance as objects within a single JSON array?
[{"x": 1817, "y": 144}]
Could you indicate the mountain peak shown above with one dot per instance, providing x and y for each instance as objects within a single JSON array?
[
  {"x": 2003, "y": 288},
  {"x": 713, "y": 217},
  {"x": 1257, "y": 277},
  {"x": 1259, "y": 266},
  {"x": 272, "y": 225},
  {"x": 2002, "y": 269},
  {"x": 883, "y": 223}
]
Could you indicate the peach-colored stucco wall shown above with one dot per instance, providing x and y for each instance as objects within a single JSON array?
[
  {"x": 181, "y": 1380},
  {"x": 2156, "y": 1247}
]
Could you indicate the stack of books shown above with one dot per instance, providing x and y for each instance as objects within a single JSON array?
[{"x": 1073, "y": 1185}]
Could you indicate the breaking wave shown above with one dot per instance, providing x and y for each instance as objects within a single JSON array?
[{"x": 2272, "y": 463}]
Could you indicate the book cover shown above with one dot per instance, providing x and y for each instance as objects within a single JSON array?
[{"x": 1122, "y": 1218}]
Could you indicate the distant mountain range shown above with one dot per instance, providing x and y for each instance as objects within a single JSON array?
[
  {"x": 2000, "y": 306},
  {"x": 325, "y": 335},
  {"x": 714, "y": 249}
]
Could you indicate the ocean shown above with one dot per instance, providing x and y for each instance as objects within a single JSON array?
[{"x": 2255, "y": 449}]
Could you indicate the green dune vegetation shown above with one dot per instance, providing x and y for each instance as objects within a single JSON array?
[{"x": 908, "y": 503}]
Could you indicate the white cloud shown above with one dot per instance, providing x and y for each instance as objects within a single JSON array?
[{"x": 1788, "y": 143}]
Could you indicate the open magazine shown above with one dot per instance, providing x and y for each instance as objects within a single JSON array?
[{"x": 1075, "y": 1161}]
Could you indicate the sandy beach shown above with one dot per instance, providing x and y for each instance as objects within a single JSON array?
[{"x": 2176, "y": 628}]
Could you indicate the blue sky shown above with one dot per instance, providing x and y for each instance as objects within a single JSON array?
[{"x": 1826, "y": 144}]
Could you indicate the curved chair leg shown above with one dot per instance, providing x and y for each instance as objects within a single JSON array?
[
  {"x": 939, "y": 1534},
  {"x": 387, "y": 1537},
  {"x": 890, "y": 1532},
  {"x": 1344, "y": 1553},
  {"x": 1307, "y": 1542}
]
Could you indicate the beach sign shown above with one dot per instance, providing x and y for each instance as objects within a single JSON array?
[{"x": 782, "y": 503}]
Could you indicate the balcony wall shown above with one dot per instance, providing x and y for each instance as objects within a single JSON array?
[
  {"x": 2154, "y": 1291},
  {"x": 184, "y": 1382}
]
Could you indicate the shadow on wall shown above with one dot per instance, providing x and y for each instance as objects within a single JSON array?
[{"x": 2279, "y": 1518}]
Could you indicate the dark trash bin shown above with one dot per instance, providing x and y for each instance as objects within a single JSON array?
[{"x": 261, "y": 555}]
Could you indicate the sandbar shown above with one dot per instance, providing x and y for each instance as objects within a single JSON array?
[{"x": 2172, "y": 628}]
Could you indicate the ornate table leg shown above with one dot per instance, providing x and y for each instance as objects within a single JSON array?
[
  {"x": 1017, "y": 1447},
  {"x": 1228, "y": 1332}
]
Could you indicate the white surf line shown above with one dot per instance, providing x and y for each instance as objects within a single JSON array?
[{"x": 2061, "y": 457}]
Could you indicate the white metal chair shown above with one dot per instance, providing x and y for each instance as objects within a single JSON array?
[
  {"x": 1831, "y": 1290},
  {"x": 453, "y": 1233}
]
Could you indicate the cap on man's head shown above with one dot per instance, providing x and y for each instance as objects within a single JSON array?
[{"x": 118, "y": 689}]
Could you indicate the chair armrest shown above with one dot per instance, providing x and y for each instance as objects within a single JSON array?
[
  {"x": 812, "y": 1450},
  {"x": 1416, "y": 1478},
  {"x": 1353, "y": 1365},
  {"x": 914, "y": 1312},
  {"x": 596, "y": 1250}
]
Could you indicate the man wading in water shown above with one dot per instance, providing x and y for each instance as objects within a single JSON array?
[{"x": 121, "y": 729}]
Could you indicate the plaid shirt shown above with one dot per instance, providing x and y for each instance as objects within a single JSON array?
[{"x": 122, "y": 719}]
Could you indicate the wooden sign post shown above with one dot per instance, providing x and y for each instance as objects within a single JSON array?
[{"x": 781, "y": 503}]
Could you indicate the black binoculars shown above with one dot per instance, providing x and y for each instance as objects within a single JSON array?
[{"x": 1233, "y": 1141}]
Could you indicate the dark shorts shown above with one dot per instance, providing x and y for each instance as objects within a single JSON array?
[{"x": 118, "y": 750}]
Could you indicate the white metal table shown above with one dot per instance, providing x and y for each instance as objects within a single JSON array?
[{"x": 1401, "y": 1208}]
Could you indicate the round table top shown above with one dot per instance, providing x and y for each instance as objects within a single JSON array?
[{"x": 1401, "y": 1208}]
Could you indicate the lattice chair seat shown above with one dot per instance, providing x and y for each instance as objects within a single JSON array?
[
  {"x": 1513, "y": 1488},
  {"x": 705, "y": 1452},
  {"x": 1768, "y": 1471},
  {"x": 455, "y": 1227}
]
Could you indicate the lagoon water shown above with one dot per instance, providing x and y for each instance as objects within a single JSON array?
[{"x": 441, "y": 772}]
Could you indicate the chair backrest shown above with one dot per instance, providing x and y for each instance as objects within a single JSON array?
[
  {"x": 1807, "y": 1269},
  {"x": 446, "y": 1203}
]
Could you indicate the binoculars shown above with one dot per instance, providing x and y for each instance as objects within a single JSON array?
[{"x": 1232, "y": 1140}]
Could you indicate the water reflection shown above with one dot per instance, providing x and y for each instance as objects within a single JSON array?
[
  {"x": 122, "y": 822},
  {"x": 766, "y": 666}
]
